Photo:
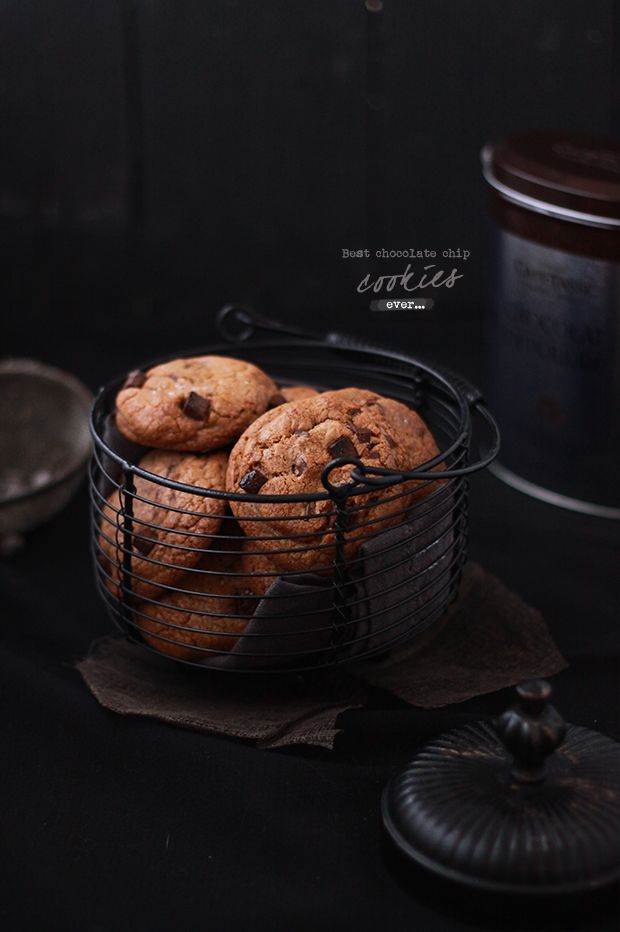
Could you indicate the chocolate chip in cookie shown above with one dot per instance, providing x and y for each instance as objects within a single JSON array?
[
  {"x": 342, "y": 448},
  {"x": 362, "y": 433},
  {"x": 135, "y": 379},
  {"x": 196, "y": 406},
  {"x": 253, "y": 481}
]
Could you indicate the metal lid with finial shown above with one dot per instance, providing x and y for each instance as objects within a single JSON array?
[{"x": 529, "y": 805}]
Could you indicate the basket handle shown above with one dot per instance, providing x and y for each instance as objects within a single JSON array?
[
  {"x": 238, "y": 323},
  {"x": 377, "y": 476}
]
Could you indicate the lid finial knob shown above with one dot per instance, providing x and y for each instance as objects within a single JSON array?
[{"x": 531, "y": 730}]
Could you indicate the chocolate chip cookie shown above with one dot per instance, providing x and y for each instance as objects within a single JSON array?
[
  {"x": 196, "y": 404},
  {"x": 296, "y": 392},
  {"x": 285, "y": 451},
  {"x": 164, "y": 540},
  {"x": 189, "y": 625}
]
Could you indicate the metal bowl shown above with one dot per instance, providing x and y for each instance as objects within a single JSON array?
[{"x": 44, "y": 442}]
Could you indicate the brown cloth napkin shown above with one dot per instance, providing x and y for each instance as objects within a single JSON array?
[
  {"x": 130, "y": 680},
  {"x": 489, "y": 639}
]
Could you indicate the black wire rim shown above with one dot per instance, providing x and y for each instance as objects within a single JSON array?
[{"x": 384, "y": 570}]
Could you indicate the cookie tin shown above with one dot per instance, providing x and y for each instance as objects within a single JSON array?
[{"x": 554, "y": 323}]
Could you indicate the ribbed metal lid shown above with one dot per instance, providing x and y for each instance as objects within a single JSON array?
[{"x": 483, "y": 807}]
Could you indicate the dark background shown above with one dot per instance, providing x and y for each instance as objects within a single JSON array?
[
  {"x": 158, "y": 159},
  {"x": 161, "y": 158}
]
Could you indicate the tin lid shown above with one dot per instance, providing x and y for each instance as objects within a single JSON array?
[
  {"x": 530, "y": 806},
  {"x": 573, "y": 177}
]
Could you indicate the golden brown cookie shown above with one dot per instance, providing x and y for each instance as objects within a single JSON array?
[
  {"x": 165, "y": 541},
  {"x": 189, "y": 625},
  {"x": 196, "y": 404},
  {"x": 285, "y": 451},
  {"x": 295, "y": 392}
]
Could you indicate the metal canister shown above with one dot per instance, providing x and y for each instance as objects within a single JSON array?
[{"x": 554, "y": 324}]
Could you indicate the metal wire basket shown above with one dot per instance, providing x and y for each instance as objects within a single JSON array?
[{"x": 386, "y": 566}]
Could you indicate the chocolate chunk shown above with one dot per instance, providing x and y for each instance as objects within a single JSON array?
[
  {"x": 362, "y": 433},
  {"x": 144, "y": 544},
  {"x": 135, "y": 379},
  {"x": 299, "y": 466},
  {"x": 372, "y": 455},
  {"x": 253, "y": 481},
  {"x": 276, "y": 399},
  {"x": 196, "y": 407},
  {"x": 342, "y": 447},
  {"x": 390, "y": 441},
  {"x": 353, "y": 411}
]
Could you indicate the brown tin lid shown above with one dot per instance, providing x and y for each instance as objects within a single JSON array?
[{"x": 576, "y": 178}]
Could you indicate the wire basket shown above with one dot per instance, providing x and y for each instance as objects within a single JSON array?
[{"x": 384, "y": 567}]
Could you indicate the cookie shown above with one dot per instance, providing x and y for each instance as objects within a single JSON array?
[
  {"x": 189, "y": 625},
  {"x": 285, "y": 451},
  {"x": 296, "y": 392},
  {"x": 165, "y": 541},
  {"x": 197, "y": 404}
]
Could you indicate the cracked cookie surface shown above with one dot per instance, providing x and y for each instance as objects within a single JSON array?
[
  {"x": 197, "y": 404},
  {"x": 161, "y": 534},
  {"x": 202, "y": 619},
  {"x": 285, "y": 451}
]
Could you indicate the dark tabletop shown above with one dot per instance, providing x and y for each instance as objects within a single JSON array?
[{"x": 115, "y": 824}]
